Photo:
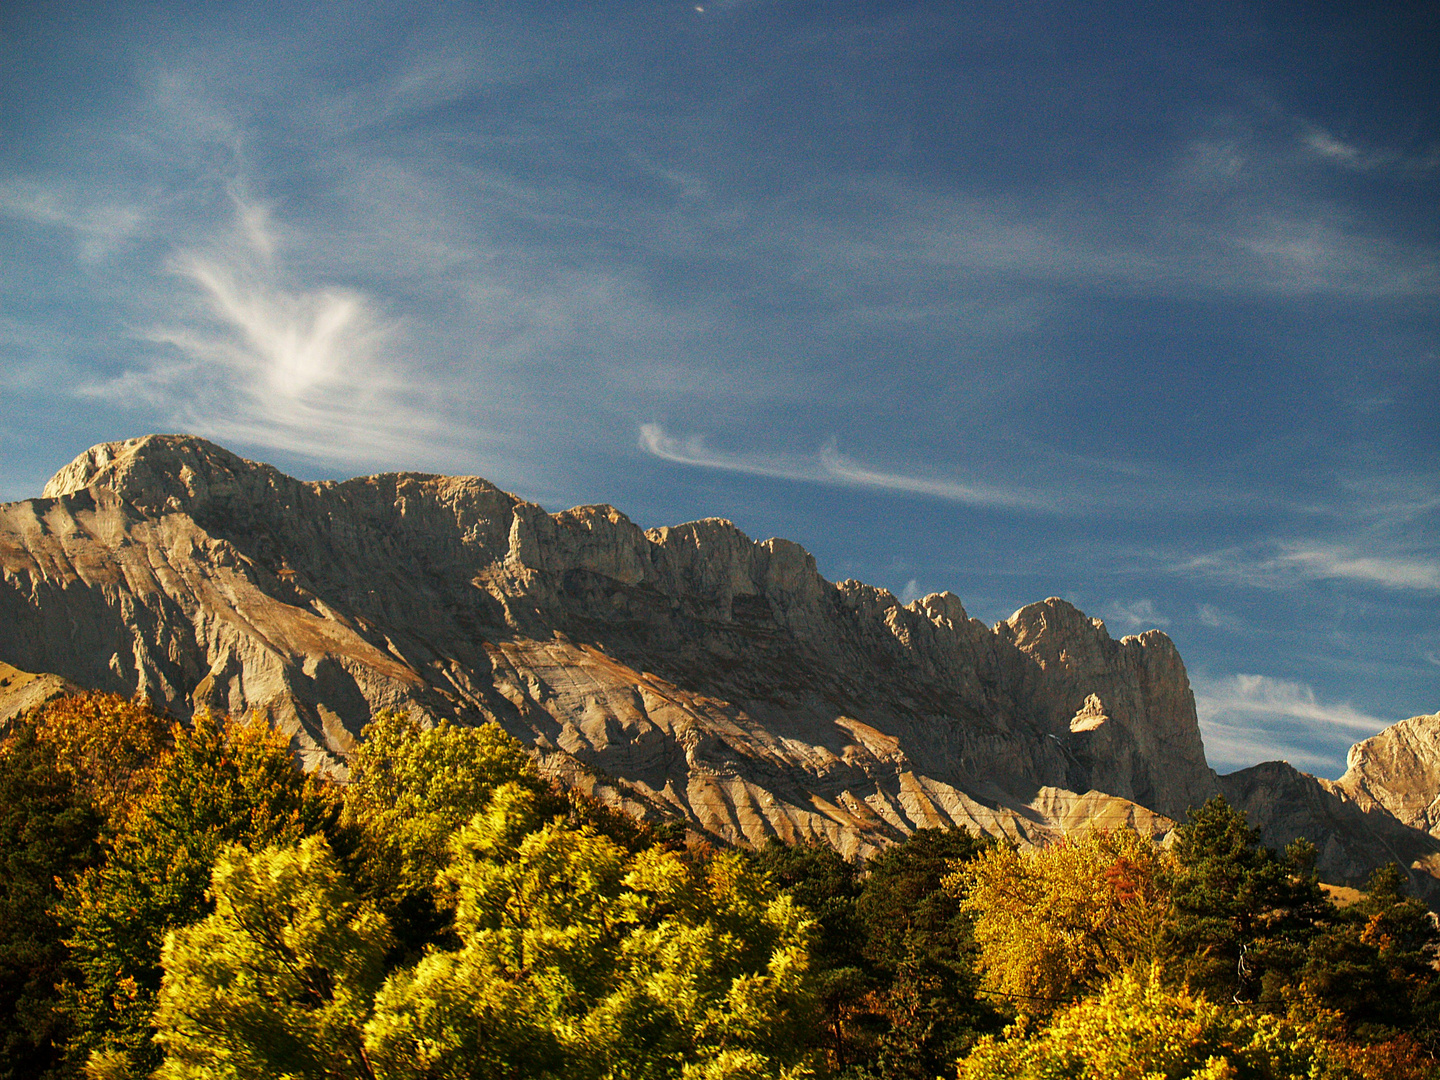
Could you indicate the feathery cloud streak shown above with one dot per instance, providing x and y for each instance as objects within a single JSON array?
[
  {"x": 1243, "y": 717},
  {"x": 255, "y": 357},
  {"x": 829, "y": 466},
  {"x": 1285, "y": 564}
]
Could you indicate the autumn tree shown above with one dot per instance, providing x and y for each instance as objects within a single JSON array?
[
  {"x": 221, "y": 783},
  {"x": 278, "y": 980},
  {"x": 1135, "y": 1027},
  {"x": 71, "y": 772},
  {"x": 1054, "y": 923},
  {"x": 108, "y": 744},
  {"x": 580, "y": 959}
]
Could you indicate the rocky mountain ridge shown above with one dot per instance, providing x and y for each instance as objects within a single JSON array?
[{"x": 682, "y": 672}]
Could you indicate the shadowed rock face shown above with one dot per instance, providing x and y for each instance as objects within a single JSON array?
[
  {"x": 1353, "y": 835},
  {"x": 684, "y": 671}
]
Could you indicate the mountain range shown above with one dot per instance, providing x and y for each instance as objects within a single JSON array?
[{"x": 680, "y": 673}]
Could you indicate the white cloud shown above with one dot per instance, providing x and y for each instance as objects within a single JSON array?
[
  {"x": 1238, "y": 746},
  {"x": 1259, "y": 236},
  {"x": 1280, "y": 565},
  {"x": 1216, "y": 618},
  {"x": 839, "y": 468},
  {"x": 693, "y": 450},
  {"x": 1249, "y": 718},
  {"x": 99, "y": 226},
  {"x": 829, "y": 466},
  {"x": 1350, "y": 155},
  {"x": 1134, "y": 615},
  {"x": 1394, "y": 572},
  {"x": 911, "y": 592},
  {"x": 258, "y": 359},
  {"x": 1336, "y": 150},
  {"x": 1249, "y": 696}
]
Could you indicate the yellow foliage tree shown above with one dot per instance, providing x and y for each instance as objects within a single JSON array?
[
  {"x": 1056, "y": 922},
  {"x": 582, "y": 961},
  {"x": 1134, "y": 1029},
  {"x": 412, "y": 787},
  {"x": 278, "y": 979}
]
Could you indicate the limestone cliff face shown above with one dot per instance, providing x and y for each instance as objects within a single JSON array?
[
  {"x": 684, "y": 671},
  {"x": 1399, "y": 770}
]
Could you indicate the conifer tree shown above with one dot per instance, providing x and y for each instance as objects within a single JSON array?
[{"x": 1241, "y": 917}]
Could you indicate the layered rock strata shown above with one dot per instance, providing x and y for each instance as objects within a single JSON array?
[{"x": 685, "y": 671}]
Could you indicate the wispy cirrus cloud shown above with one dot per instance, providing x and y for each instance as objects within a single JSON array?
[
  {"x": 1248, "y": 718},
  {"x": 829, "y": 466},
  {"x": 1278, "y": 565},
  {"x": 99, "y": 226},
  {"x": 1357, "y": 158},
  {"x": 1227, "y": 219},
  {"x": 1134, "y": 615},
  {"x": 1394, "y": 572},
  {"x": 252, "y": 355},
  {"x": 1217, "y": 618}
]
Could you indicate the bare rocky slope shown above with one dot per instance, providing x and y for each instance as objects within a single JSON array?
[{"x": 680, "y": 672}]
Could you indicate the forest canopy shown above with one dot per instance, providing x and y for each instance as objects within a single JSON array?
[{"x": 178, "y": 900}]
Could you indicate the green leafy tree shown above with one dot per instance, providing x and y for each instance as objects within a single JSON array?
[
  {"x": 580, "y": 959},
  {"x": 1241, "y": 917},
  {"x": 49, "y": 832},
  {"x": 1134, "y": 1027},
  {"x": 279, "y": 978},
  {"x": 220, "y": 784}
]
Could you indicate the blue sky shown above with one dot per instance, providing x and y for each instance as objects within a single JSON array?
[{"x": 1130, "y": 304}]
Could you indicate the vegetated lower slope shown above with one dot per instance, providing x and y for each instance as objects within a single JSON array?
[
  {"x": 683, "y": 672},
  {"x": 181, "y": 900}
]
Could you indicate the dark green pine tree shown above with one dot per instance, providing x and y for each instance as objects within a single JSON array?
[
  {"x": 827, "y": 885},
  {"x": 1374, "y": 963},
  {"x": 921, "y": 945},
  {"x": 1241, "y": 917},
  {"x": 48, "y": 831}
]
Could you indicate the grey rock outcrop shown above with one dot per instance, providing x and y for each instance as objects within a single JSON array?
[
  {"x": 1353, "y": 836},
  {"x": 684, "y": 671}
]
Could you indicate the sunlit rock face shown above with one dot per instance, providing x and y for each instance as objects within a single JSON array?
[
  {"x": 1399, "y": 769},
  {"x": 22, "y": 691},
  {"x": 686, "y": 671}
]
